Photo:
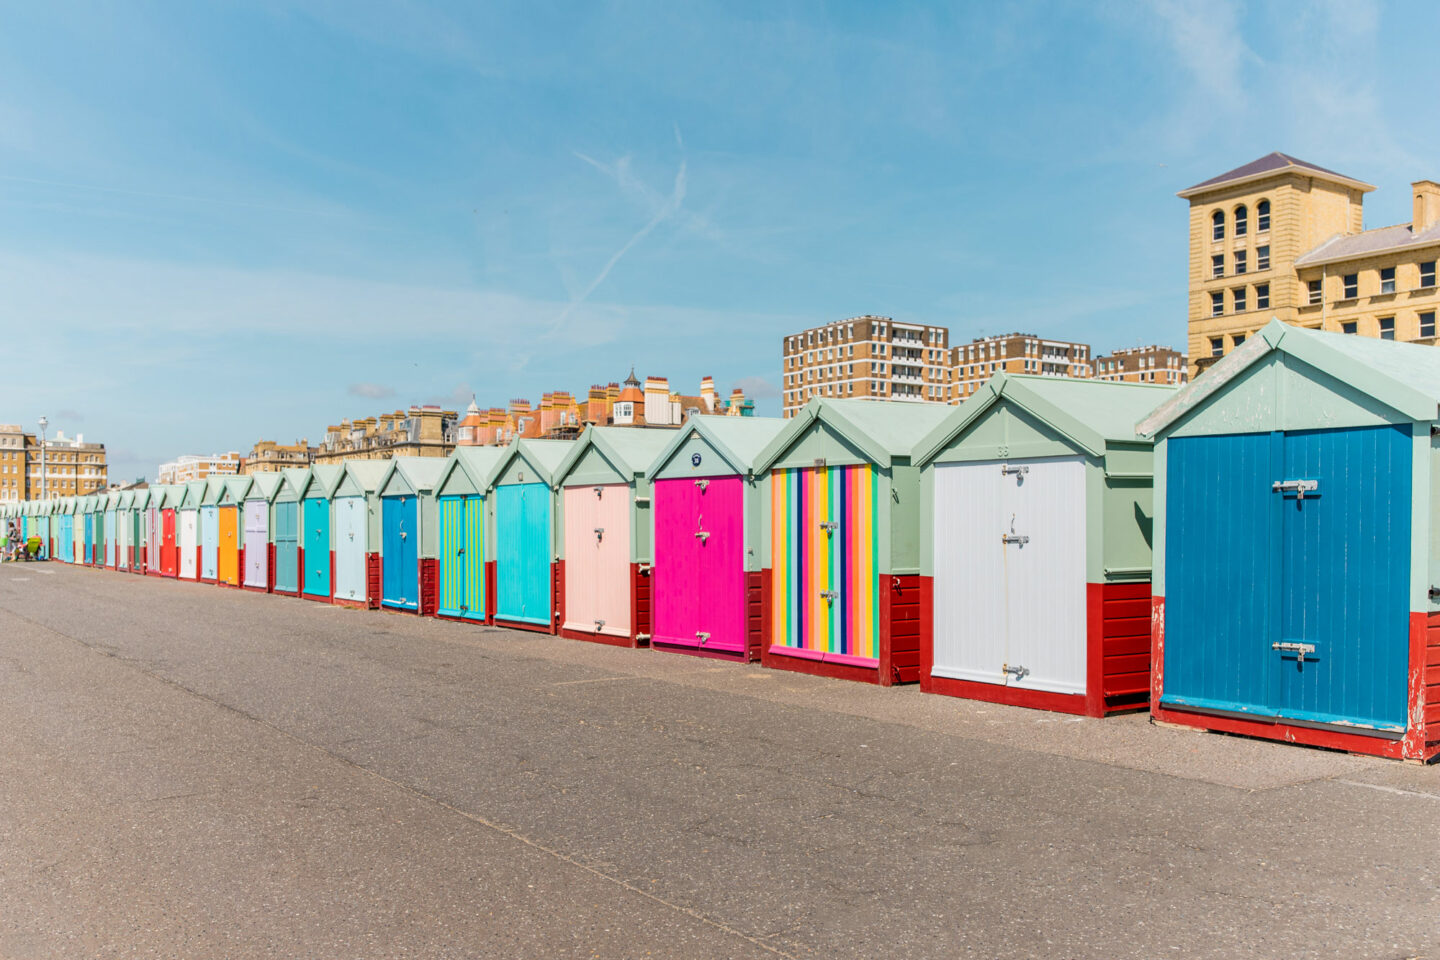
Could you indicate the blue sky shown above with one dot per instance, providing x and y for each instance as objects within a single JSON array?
[{"x": 227, "y": 221}]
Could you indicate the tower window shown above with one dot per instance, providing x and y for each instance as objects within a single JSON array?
[
  {"x": 1237, "y": 297},
  {"x": 1217, "y": 303},
  {"x": 1352, "y": 286},
  {"x": 1262, "y": 296},
  {"x": 1242, "y": 221},
  {"x": 1239, "y": 259},
  {"x": 1316, "y": 293},
  {"x": 1427, "y": 323},
  {"x": 1262, "y": 216},
  {"x": 1217, "y": 265},
  {"x": 1217, "y": 223},
  {"x": 1387, "y": 283},
  {"x": 1427, "y": 273},
  {"x": 1262, "y": 257},
  {"x": 1387, "y": 328}
]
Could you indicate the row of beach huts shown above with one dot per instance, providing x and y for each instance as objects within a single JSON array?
[{"x": 1255, "y": 553}]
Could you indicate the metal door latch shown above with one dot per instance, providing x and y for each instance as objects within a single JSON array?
[
  {"x": 1297, "y": 487},
  {"x": 599, "y": 533},
  {"x": 1291, "y": 646},
  {"x": 1019, "y": 672},
  {"x": 702, "y": 484},
  {"x": 829, "y": 526},
  {"x": 1006, "y": 470},
  {"x": 703, "y": 535},
  {"x": 598, "y": 625},
  {"x": 599, "y": 492},
  {"x": 830, "y": 596},
  {"x": 1014, "y": 538},
  {"x": 703, "y": 635},
  {"x": 403, "y": 536}
]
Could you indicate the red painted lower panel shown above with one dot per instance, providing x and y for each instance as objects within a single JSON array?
[
  {"x": 489, "y": 591},
  {"x": 899, "y": 641},
  {"x": 429, "y": 586},
  {"x": 372, "y": 581},
  {"x": 1415, "y": 745}
]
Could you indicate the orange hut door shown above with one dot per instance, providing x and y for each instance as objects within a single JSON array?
[{"x": 229, "y": 547}]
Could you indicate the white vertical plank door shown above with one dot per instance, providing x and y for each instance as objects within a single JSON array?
[{"x": 969, "y": 572}]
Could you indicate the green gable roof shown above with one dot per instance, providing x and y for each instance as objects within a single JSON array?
[
  {"x": 214, "y": 488},
  {"x": 264, "y": 486},
  {"x": 322, "y": 480},
  {"x": 1089, "y": 413},
  {"x": 1402, "y": 376},
  {"x": 631, "y": 449},
  {"x": 881, "y": 429},
  {"x": 360, "y": 477},
  {"x": 545, "y": 456},
  {"x": 415, "y": 475},
  {"x": 738, "y": 440},
  {"x": 237, "y": 489},
  {"x": 477, "y": 463}
]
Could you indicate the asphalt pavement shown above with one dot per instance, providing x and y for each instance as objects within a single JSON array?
[{"x": 193, "y": 771}]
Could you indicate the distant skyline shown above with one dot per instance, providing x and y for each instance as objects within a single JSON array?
[{"x": 226, "y": 222}]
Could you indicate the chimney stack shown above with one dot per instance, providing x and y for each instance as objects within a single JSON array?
[{"x": 1427, "y": 205}]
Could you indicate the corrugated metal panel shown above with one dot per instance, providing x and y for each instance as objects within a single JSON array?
[
  {"x": 597, "y": 559},
  {"x": 522, "y": 552},
  {"x": 317, "y": 546},
  {"x": 287, "y": 546},
  {"x": 824, "y": 557},
  {"x": 187, "y": 540},
  {"x": 350, "y": 548},
  {"x": 699, "y": 581},
  {"x": 210, "y": 542},
  {"x": 257, "y": 538},
  {"x": 401, "y": 572},
  {"x": 1248, "y": 567}
]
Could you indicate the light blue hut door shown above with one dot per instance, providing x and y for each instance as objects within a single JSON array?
[
  {"x": 350, "y": 548},
  {"x": 209, "y": 542}
]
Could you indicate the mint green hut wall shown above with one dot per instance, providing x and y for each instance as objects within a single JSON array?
[
  {"x": 1035, "y": 553},
  {"x": 1288, "y": 389}
]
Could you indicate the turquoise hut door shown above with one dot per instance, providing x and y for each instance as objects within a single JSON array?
[
  {"x": 1286, "y": 605},
  {"x": 522, "y": 553},
  {"x": 317, "y": 547}
]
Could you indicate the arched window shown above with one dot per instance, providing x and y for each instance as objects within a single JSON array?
[
  {"x": 1242, "y": 220},
  {"x": 1262, "y": 216},
  {"x": 1218, "y": 221}
]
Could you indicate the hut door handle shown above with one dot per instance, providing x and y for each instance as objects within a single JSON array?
[
  {"x": 702, "y": 484},
  {"x": 1291, "y": 646},
  {"x": 402, "y": 536},
  {"x": 599, "y": 534},
  {"x": 598, "y": 625},
  {"x": 704, "y": 636},
  {"x": 1014, "y": 538},
  {"x": 829, "y": 526},
  {"x": 1006, "y": 470},
  {"x": 830, "y": 595},
  {"x": 703, "y": 535},
  {"x": 1297, "y": 487},
  {"x": 1019, "y": 672}
]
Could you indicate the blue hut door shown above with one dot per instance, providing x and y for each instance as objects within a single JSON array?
[
  {"x": 287, "y": 546},
  {"x": 522, "y": 552},
  {"x": 209, "y": 542},
  {"x": 317, "y": 547},
  {"x": 401, "y": 574},
  {"x": 1258, "y": 575}
]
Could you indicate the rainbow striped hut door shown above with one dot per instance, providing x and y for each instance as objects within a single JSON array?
[{"x": 824, "y": 560}]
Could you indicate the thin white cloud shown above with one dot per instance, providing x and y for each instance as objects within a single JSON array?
[
  {"x": 370, "y": 391},
  {"x": 666, "y": 210}
]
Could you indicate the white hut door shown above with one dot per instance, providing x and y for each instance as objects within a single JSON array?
[
  {"x": 1009, "y": 549},
  {"x": 1043, "y": 512}
]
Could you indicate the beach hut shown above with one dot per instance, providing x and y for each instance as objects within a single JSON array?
[
  {"x": 841, "y": 525},
  {"x": 705, "y": 570},
  {"x": 1035, "y": 520},
  {"x": 111, "y": 503},
  {"x": 123, "y": 542},
  {"x": 1295, "y": 529},
  {"x": 231, "y": 559},
  {"x": 604, "y": 557},
  {"x": 285, "y": 531},
  {"x": 316, "y": 542},
  {"x": 65, "y": 542},
  {"x": 166, "y": 506},
  {"x": 136, "y": 517},
  {"x": 357, "y": 511},
  {"x": 214, "y": 489},
  {"x": 259, "y": 546},
  {"x": 85, "y": 512},
  {"x": 408, "y": 551},
  {"x": 464, "y": 557},
  {"x": 522, "y": 516},
  {"x": 154, "y": 531},
  {"x": 187, "y": 535}
]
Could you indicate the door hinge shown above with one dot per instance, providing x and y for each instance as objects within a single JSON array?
[
  {"x": 1292, "y": 646},
  {"x": 1297, "y": 487}
]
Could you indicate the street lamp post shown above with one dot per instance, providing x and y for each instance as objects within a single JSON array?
[{"x": 43, "y": 424}]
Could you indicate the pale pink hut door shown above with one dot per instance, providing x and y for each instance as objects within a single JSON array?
[
  {"x": 699, "y": 576},
  {"x": 597, "y": 559}
]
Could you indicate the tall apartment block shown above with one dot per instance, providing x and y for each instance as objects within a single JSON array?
[
  {"x": 866, "y": 358},
  {"x": 1152, "y": 364},
  {"x": 1282, "y": 237},
  {"x": 191, "y": 466},
  {"x": 975, "y": 362},
  {"x": 13, "y": 449}
]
